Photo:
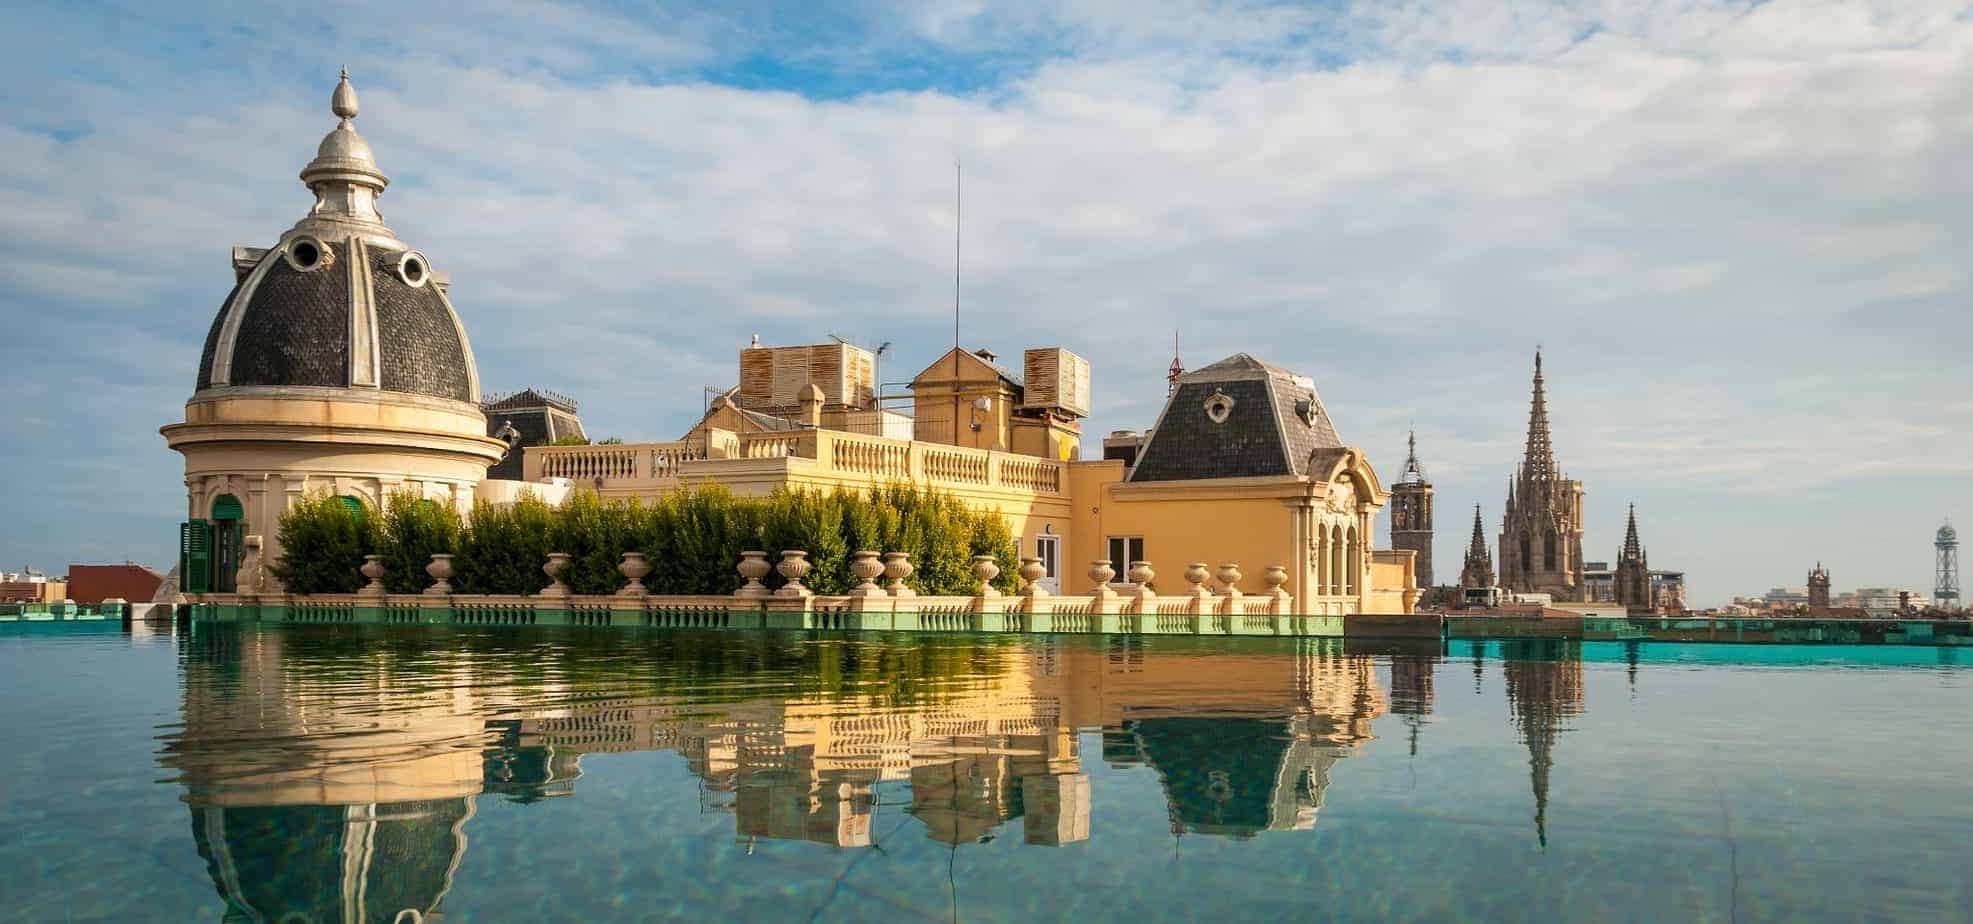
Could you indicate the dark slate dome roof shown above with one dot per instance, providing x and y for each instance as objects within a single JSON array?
[
  {"x": 294, "y": 327},
  {"x": 340, "y": 302}
]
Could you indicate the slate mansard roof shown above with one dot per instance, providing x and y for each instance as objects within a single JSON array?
[
  {"x": 286, "y": 327},
  {"x": 1273, "y": 423}
]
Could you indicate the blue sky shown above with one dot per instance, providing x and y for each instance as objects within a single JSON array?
[{"x": 1737, "y": 229}]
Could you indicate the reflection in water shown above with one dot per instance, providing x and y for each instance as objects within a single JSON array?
[
  {"x": 1545, "y": 691},
  {"x": 331, "y": 775}
]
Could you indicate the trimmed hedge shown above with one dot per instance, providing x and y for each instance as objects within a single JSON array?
[{"x": 692, "y": 538}]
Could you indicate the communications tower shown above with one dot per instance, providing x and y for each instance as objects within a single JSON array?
[{"x": 1945, "y": 586}]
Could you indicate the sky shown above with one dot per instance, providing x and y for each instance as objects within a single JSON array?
[{"x": 1738, "y": 231}]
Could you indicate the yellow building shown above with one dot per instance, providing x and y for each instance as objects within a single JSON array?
[{"x": 1244, "y": 468}]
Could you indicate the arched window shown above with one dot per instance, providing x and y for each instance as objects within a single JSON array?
[
  {"x": 1527, "y": 554},
  {"x": 354, "y": 505},
  {"x": 1548, "y": 550},
  {"x": 1355, "y": 572}
]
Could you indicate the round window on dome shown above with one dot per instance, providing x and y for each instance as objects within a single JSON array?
[
  {"x": 411, "y": 268},
  {"x": 307, "y": 254}
]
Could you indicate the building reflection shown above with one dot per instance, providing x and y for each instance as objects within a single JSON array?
[
  {"x": 329, "y": 785},
  {"x": 1544, "y": 691}
]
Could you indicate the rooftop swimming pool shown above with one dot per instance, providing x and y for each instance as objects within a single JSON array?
[{"x": 394, "y": 774}]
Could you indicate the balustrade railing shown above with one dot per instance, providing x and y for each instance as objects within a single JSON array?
[{"x": 856, "y": 457}]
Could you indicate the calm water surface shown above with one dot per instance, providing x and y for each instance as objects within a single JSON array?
[{"x": 353, "y": 774}]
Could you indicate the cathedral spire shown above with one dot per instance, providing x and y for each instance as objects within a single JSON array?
[
  {"x": 1633, "y": 549},
  {"x": 1539, "y": 461}
]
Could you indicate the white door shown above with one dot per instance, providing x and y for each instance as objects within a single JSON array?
[{"x": 1049, "y": 550}]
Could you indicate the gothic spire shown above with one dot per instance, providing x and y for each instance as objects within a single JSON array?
[
  {"x": 1539, "y": 461},
  {"x": 1633, "y": 549},
  {"x": 1478, "y": 547}
]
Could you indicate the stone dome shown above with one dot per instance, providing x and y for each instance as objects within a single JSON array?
[{"x": 339, "y": 301}]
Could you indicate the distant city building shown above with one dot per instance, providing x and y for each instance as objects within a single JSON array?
[
  {"x": 1890, "y": 601},
  {"x": 1541, "y": 532},
  {"x": 1819, "y": 586},
  {"x": 128, "y": 581},
  {"x": 1782, "y": 598},
  {"x": 31, "y": 586},
  {"x": 1411, "y": 512}
]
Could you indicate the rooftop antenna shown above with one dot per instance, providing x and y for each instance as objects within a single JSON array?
[
  {"x": 1177, "y": 368},
  {"x": 958, "y": 222}
]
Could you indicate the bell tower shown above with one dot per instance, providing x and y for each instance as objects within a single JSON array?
[{"x": 1411, "y": 513}]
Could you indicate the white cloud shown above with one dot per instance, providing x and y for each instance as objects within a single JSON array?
[{"x": 1735, "y": 228}]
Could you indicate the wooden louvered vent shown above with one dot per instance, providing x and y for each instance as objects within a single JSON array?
[{"x": 1058, "y": 379}]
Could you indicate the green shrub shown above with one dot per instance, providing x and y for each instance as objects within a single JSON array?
[
  {"x": 692, "y": 539},
  {"x": 503, "y": 548},
  {"x": 415, "y": 529},
  {"x": 323, "y": 541}
]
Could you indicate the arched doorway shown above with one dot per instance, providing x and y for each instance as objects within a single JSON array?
[{"x": 228, "y": 528}]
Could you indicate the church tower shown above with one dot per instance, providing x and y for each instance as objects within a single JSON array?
[
  {"x": 1478, "y": 571},
  {"x": 1633, "y": 578},
  {"x": 1819, "y": 587},
  {"x": 1541, "y": 533},
  {"x": 1411, "y": 514}
]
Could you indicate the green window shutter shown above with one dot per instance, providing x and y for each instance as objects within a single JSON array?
[
  {"x": 195, "y": 557},
  {"x": 227, "y": 507}
]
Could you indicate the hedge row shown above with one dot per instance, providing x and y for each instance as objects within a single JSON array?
[{"x": 692, "y": 538}]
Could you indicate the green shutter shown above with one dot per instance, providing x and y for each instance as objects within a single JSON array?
[{"x": 195, "y": 557}]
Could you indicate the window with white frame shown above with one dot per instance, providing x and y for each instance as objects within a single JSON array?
[{"x": 1123, "y": 551}]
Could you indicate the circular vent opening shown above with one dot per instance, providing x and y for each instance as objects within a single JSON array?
[
  {"x": 412, "y": 269},
  {"x": 307, "y": 253}
]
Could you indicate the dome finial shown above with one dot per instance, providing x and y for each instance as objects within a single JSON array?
[{"x": 343, "y": 101}]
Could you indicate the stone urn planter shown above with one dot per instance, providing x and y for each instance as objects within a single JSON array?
[
  {"x": 793, "y": 567},
  {"x": 985, "y": 569},
  {"x": 373, "y": 568},
  {"x": 557, "y": 566},
  {"x": 1031, "y": 574},
  {"x": 633, "y": 567},
  {"x": 1229, "y": 579},
  {"x": 1195, "y": 575},
  {"x": 1141, "y": 576},
  {"x": 1276, "y": 576},
  {"x": 868, "y": 568},
  {"x": 441, "y": 571},
  {"x": 753, "y": 566},
  {"x": 1100, "y": 575},
  {"x": 897, "y": 567}
]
